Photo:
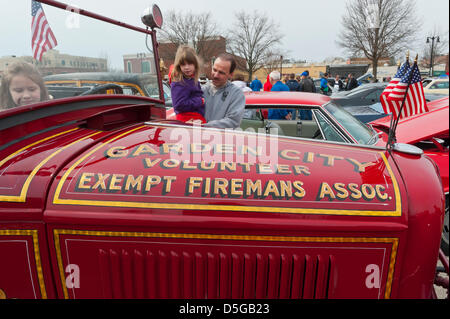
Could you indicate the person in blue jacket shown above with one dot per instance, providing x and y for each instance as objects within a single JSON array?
[
  {"x": 278, "y": 86},
  {"x": 256, "y": 85}
]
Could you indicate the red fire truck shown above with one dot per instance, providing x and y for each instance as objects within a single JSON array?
[{"x": 102, "y": 197}]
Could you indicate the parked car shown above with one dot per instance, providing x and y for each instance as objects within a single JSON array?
[
  {"x": 73, "y": 84},
  {"x": 102, "y": 197},
  {"x": 364, "y": 95},
  {"x": 436, "y": 86}
]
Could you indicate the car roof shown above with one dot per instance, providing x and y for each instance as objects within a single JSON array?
[
  {"x": 294, "y": 98},
  {"x": 99, "y": 76}
]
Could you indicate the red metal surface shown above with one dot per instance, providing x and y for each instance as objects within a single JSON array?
[
  {"x": 423, "y": 126},
  {"x": 288, "y": 98},
  {"x": 155, "y": 210}
]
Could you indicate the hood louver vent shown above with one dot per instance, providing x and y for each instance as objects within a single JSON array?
[{"x": 186, "y": 275}]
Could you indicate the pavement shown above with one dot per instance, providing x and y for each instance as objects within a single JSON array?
[{"x": 441, "y": 292}]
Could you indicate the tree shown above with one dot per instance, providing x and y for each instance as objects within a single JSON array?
[
  {"x": 253, "y": 37},
  {"x": 191, "y": 29},
  {"x": 378, "y": 28}
]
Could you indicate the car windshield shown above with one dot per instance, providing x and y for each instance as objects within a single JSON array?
[
  {"x": 89, "y": 56},
  {"x": 362, "y": 133}
]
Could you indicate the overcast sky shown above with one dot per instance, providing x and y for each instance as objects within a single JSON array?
[{"x": 310, "y": 27}]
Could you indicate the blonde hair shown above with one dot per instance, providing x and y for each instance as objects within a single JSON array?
[
  {"x": 185, "y": 55},
  {"x": 20, "y": 68}
]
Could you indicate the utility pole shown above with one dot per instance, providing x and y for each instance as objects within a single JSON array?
[{"x": 432, "y": 52}]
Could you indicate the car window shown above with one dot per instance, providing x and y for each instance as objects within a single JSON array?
[
  {"x": 426, "y": 82},
  {"x": 372, "y": 96},
  {"x": 360, "y": 132},
  {"x": 440, "y": 85},
  {"x": 328, "y": 131}
]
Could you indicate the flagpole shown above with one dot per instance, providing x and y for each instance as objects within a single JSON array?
[{"x": 392, "y": 137}]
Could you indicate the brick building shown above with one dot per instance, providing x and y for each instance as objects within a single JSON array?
[
  {"x": 53, "y": 62},
  {"x": 139, "y": 63},
  {"x": 381, "y": 61}
]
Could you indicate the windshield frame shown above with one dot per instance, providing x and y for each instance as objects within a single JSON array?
[{"x": 350, "y": 124}]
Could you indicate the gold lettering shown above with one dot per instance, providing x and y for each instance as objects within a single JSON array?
[
  {"x": 148, "y": 163},
  {"x": 170, "y": 163},
  {"x": 245, "y": 167},
  {"x": 271, "y": 189},
  {"x": 342, "y": 192},
  {"x": 283, "y": 169},
  {"x": 220, "y": 185},
  {"x": 368, "y": 191},
  {"x": 285, "y": 155},
  {"x": 176, "y": 148},
  {"x": 246, "y": 150},
  {"x": 116, "y": 152},
  {"x": 224, "y": 149},
  {"x": 326, "y": 191},
  {"x": 200, "y": 148},
  {"x": 133, "y": 182},
  {"x": 227, "y": 166},
  {"x": 101, "y": 181},
  {"x": 355, "y": 193},
  {"x": 264, "y": 169},
  {"x": 152, "y": 181},
  {"x": 235, "y": 185},
  {"x": 329, "y": 159},
  {"x": 300, "y": 190},
  {"x": 205, "y": 167},
  {"x": 168, "y": 183},
  {"x": 286, "y": 188},
  {"x": 116, "y": 179},
  {"x": 144, "y": 149},
  {"x": 299, "y": 170},
  {"x": 193, "y": 183},
  {"x": 85, "y": 178},
  {"x": 360, "y": 167},
  {"x": 308, "y": 158},
  {"x": 379, "y": 190},
  {"x": 186, "y": 166},
  {"x": 253, "y": 187}
]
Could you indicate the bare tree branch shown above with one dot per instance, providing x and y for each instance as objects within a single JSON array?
[
  {"x": 253, "y": 37},
  {"x": 191, "y": 29},
  {"x": 396, "y": 30}
]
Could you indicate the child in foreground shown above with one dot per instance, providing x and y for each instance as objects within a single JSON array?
[
  {"x": 22, "y": 84},
  {"x": 187, "y": 95}
]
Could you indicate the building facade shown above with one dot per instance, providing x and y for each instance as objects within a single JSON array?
[
  {"x": 54, "y": 62},
  {"x": 139, "y": 63}
]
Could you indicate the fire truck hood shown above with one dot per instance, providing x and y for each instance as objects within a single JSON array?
[{"x": 159, "y": 167}]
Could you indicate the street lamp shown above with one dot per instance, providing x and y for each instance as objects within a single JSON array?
[
  {"x": 432, "y": 51},
  {"x": 281, "y": 66}
]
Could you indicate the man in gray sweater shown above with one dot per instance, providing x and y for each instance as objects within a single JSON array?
[{"x": 224, "y": 102}]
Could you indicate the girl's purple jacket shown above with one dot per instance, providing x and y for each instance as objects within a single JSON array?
[{"x": 187, "y": 97}]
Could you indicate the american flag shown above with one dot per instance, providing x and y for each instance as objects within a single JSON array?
[
  {"x": 415, "y": 102},
  {"x": 42, "y": 37},
  {"x": 390, "y": 106}
]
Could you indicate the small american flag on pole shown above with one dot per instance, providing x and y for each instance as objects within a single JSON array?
[
  {"x": 410, "y": 90},
  {"x": 390, "y": 106},
  {"x": 42, "y": 37}
]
